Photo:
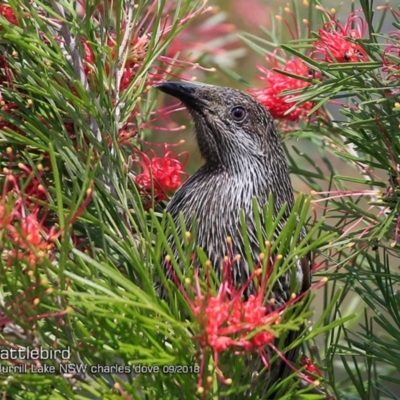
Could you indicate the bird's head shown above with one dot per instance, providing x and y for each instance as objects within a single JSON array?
[{"x": 232, "y": 128}]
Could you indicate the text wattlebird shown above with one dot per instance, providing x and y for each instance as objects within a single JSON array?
[{"x": 244, "y": 159}]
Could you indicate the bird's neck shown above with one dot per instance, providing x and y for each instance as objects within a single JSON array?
[{"x": 249, "y": 178}]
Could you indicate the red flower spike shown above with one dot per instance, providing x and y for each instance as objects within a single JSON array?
[
  {"x": 162, "y": 175},
  {"x": 8, "y": 13},
  {"x": 334, "y": 44},
  {"x": 271, "y": 96},
  {"x": 229, "y": 322}
]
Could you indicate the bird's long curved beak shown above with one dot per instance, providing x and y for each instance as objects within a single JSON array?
[{"x": 187, "y": 93}]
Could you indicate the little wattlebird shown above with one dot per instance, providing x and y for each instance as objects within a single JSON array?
[{"x": 244, "y": 159}]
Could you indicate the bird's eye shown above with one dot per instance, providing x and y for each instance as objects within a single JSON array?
[{"x": 238, "y": 113}]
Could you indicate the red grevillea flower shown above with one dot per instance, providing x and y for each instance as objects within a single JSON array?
[
  {"x": 160, "y": 175},
  {"x": 228, "y": 321},
  {"x": 335, "y": 43},
  {"x": 272, "y": 96},
  {"x": 8, "y": 13}
]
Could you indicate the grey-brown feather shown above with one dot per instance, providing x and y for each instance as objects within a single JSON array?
[{"x": 243, "y": 160}]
